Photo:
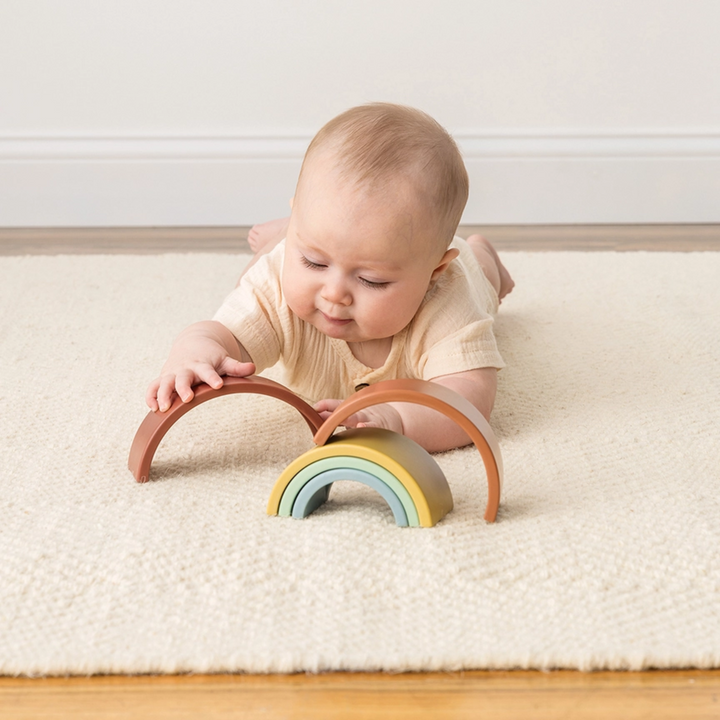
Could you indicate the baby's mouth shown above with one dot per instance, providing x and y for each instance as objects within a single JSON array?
[{"x": 336, "y": 321}]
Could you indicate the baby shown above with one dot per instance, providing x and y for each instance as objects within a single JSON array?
[{"x": 363, "y": 282}]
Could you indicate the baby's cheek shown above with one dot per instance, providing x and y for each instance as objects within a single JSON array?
[
  {"x": 299, "y": 303},
  {"x": 393, "y": 312}
]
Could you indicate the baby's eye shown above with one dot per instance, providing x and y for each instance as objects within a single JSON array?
[
  {"x": 374, "y": 285},
  {"x": 310, "y": 264}
]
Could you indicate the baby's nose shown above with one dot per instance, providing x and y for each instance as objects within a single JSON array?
[{"x": 335, "y": 291}]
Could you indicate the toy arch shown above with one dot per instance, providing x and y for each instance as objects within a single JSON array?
[
  {"x": 315, "y": 492},
  {"x": 437, "y": 397},
  {"x": 400, "y": 463},
  {"x": 156, "y": 424}
]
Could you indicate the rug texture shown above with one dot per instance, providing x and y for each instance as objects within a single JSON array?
[{"x": 605, "y": 555}]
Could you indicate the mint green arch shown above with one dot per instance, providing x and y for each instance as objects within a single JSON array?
[
  {"x": 345, "y": 461},
  {"x": 315, "y": 492}
]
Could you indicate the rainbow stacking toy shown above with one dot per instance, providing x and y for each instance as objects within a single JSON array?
[{"x": 405, "y": 474}]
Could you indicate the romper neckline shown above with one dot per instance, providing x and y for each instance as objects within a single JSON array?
[{"x": 361, "y": 373}]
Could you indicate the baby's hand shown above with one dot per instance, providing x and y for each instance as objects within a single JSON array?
[
  {"x": 378, "y": 416},
  {"x": 200, "y": 354}
]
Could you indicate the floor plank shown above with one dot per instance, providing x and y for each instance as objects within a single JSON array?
[
  {"x": 56, "y": 241},
  {"x": 689, "y": 695}
]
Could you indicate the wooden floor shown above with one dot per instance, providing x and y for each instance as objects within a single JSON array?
[
  {"x": 676, "y": 238},
  {"x": 656, "y": 695},
  {"x": 678, "y": 695}
]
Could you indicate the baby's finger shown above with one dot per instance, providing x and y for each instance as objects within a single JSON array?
[
  {"x": 208, "y": 374},
  {"x": 327, "y": 406},
  {"x": 151, "y": 395},
  {"x": 183, "y": 385},
  {"x": 359, "y": 419},
  {"x": 237, "y": 368},
  {"x": 166, "y": 392}
]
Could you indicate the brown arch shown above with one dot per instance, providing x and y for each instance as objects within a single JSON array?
[
  {"x": 437, "y": 397},
  {"x": 156, "y": 424}
]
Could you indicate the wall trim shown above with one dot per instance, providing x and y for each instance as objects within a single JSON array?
[
  {"x": 517, "y": 177},
  {"x": 65, "y": 148},
  {"x": 474, "y": 144},
  {"x": 559, "y": 144}
]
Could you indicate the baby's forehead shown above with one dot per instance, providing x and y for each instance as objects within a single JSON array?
[
  {"x": 397, "y": 197},
  {"x": 404, "y": 187}
]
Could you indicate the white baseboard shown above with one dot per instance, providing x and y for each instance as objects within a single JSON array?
[{"x": 516, "y": 178}]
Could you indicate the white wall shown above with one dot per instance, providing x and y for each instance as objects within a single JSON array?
[{"x": 197, "y": 112}]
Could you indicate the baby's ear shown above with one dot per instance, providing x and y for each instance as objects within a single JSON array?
[{"x": 444, "y": 263}]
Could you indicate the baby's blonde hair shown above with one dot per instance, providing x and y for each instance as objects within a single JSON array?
[{"x": 375, "y": 144}]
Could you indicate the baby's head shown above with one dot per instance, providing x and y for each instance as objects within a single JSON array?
[
  {"x": 380, "y": 195},
  {"x": 381, "y": 148}
]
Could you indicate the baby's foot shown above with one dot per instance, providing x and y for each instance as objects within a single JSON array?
[
  {"x": 506, "y": 282},
  {"x": 266, "y": 233},
  {"x": 496, "y": 272}
]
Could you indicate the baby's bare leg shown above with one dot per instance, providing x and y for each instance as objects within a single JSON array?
[
  {"x": 263, "y": 238},
  {"x": 490, "y": 263}
]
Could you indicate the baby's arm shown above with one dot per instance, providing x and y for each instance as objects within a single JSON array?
[
  {"x": 201, "y": 353},
  {"x": 434, "y": 431}
]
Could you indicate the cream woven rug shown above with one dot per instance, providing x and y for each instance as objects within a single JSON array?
[{"x": 606, "y": 553}]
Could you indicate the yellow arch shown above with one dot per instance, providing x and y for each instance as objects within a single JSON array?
[{"x": 404, "y": 458}]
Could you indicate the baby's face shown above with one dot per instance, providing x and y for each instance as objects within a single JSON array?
[{"x": 357, "y": 265}]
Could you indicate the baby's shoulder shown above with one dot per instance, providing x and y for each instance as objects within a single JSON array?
[
  {"x": 454, "y": 287},
  {"x": 454, "y": 301},
  {"x": 263, "y": 279},
  {"x": 446, "y": 307},
  {"x": 268, "y": 265}
]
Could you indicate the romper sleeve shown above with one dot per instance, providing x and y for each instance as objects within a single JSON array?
[
  {"x": 453, "y": 329},
  {"x": 252, "y": 311}
]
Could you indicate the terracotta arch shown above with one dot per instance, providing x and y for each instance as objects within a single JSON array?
[
  {"x": 437, "y": 397},
  {"x": 156, "y": 424}
]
